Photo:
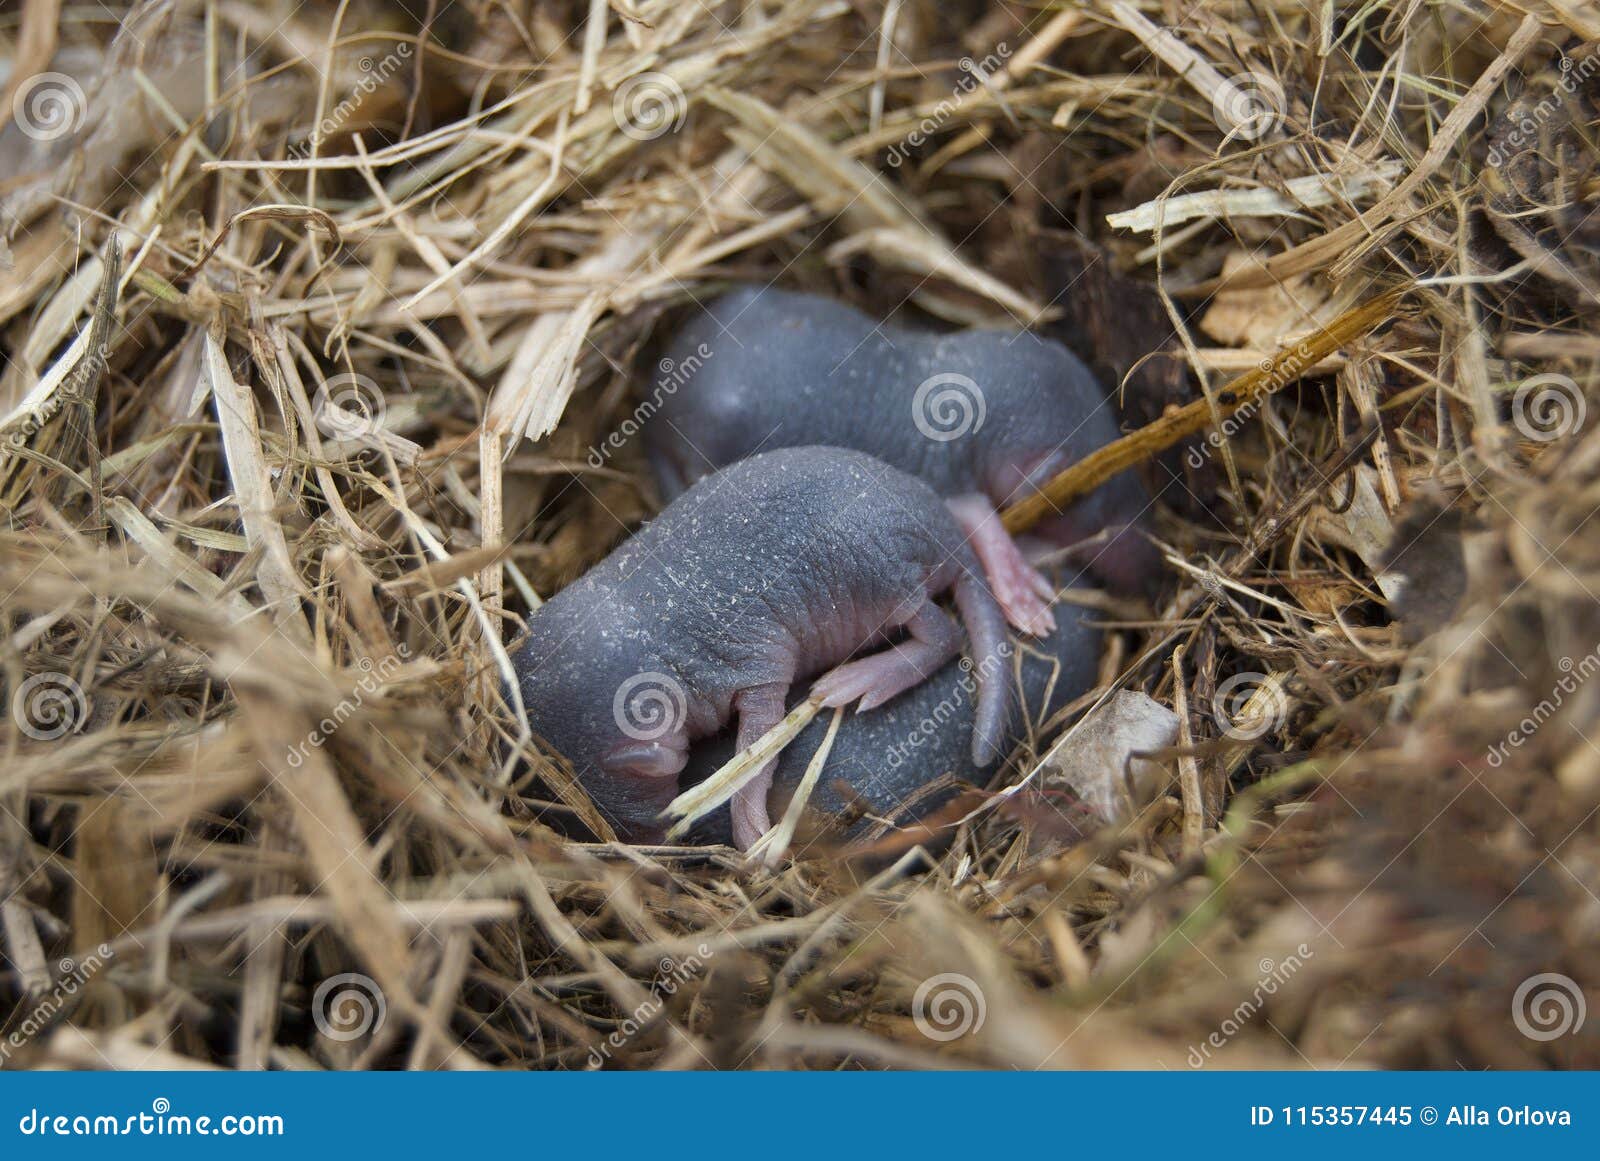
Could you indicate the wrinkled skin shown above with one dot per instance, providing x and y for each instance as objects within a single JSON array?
[
  {"x": 761, "y": 575},
  {"x": 765, "y": 368},
  {"x": 887, "y": 755}
]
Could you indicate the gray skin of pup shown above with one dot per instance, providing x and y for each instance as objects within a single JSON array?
[
  {"x": 771, "y": 570},
  {"x": 764, "y": 368},
  {"x": 887, "y": 755}
]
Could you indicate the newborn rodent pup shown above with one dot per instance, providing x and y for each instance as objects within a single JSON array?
[
  {"x": 888, "y": 755},
  {"x": 984, "y": 416},
  {"x": 760, "y": 575}
]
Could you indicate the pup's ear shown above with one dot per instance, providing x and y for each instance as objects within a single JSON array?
[{"x": 638, "y": 759}]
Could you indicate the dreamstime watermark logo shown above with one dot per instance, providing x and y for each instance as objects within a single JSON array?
[
  {"x": 940, "y": 715},
  {"x": 974, "y": 74},
  {"x": 372, "y": 677},
  {"x": 1273, "y": 975},
  {"x": 671, "y": 974},
  {"x": 30, "y": 422},
  {"x": 649, "y": 105},
  {"x": 74, "y": 974},
  {"x": 348, "y": 1006},
  {"x": 1548, "y": 1006},
  {"x": 374, "y": 75},
  {"x": 1575, "y": 674},
  {"x": 48, "y": 706},
  {"x": 349, "y": 407},
  {"x": 1526, "y": 131},
  {"x": 1547, "y": 407},
  {"x": 49, "y": 106},
  {"x": 948, "y": 1006},
  {"x": 1248, "y": 706},
  {"x": 1279, "y": 370},
  {"x": 1230, "y": 426},
  {"x": 649, "y": 706},
  {"x": 948, "y": 406},
  {"x": 673, "y": 375},
  {"x": 155, "y": 1123},
  {"x": 1248, "y": 106}
]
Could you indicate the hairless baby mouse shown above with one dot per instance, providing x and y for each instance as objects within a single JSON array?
[
  {"x": 888, "y": 757},
  {"x": 984, "y": 416},
  {"x": 760, "y": 575}
]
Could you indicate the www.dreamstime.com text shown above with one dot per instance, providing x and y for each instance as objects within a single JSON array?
[{"x": 159, "y": 1121}]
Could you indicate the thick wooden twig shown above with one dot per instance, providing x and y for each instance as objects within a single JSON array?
[{"x": 1273, "y": 375}]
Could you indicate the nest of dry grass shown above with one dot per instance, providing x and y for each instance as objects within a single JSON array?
[{"x": 311, "y": 315}]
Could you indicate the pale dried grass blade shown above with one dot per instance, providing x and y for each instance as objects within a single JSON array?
[
  {"x": 1300, "y": 193},
  {"x": 773, "y": 845},
  {"x": 241, "y": 440},
  {"x": 698, "y": 801}
]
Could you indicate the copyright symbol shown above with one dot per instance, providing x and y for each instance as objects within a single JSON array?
[{"x": 1429, "y": 1115}]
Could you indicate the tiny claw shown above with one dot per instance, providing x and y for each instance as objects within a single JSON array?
[
  {"x": 1023, "y": 592},
  {"x": 870, "y": 681},
  {"x": 1026, "y": 611},
  {"x": 832, "y": 689},
  {"x": 872, "y": 700}
]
